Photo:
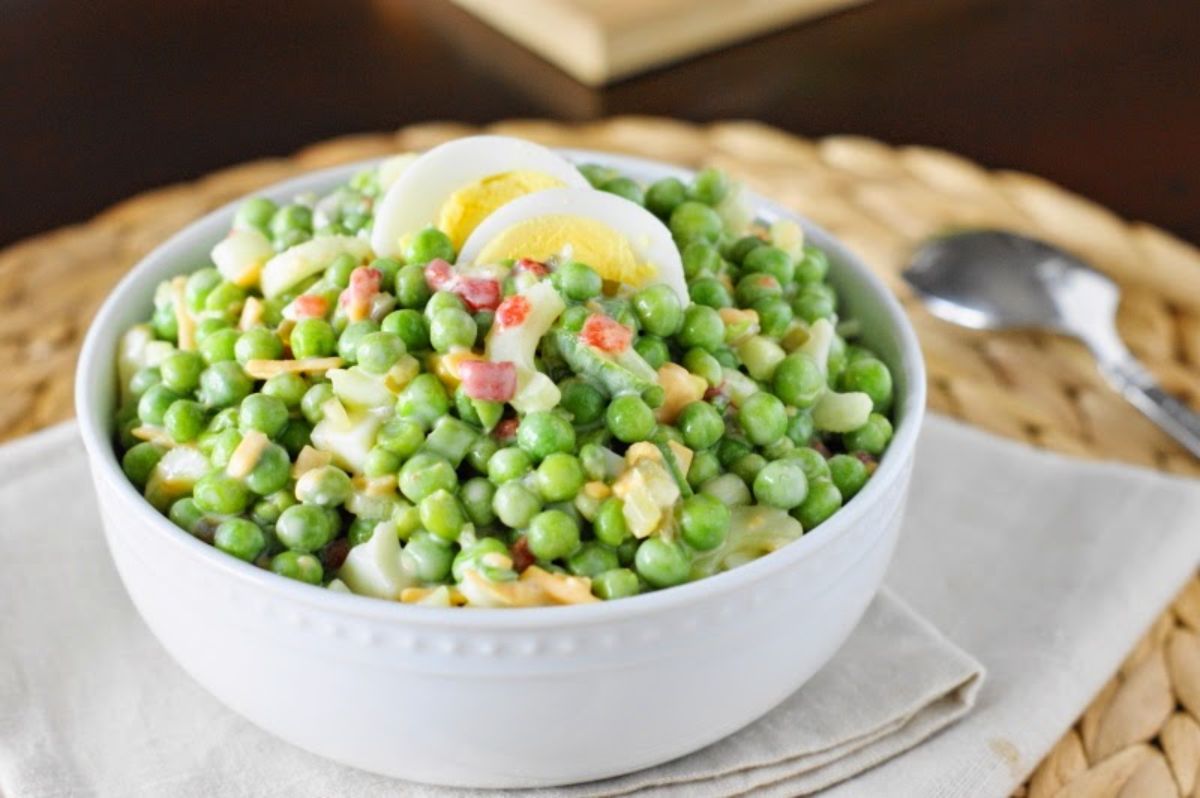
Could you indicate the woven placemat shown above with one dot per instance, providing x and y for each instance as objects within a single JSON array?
[{"x": 1141, "y": 736}]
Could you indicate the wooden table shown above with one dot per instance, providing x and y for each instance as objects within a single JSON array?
[{"x": 101, "y": 100}]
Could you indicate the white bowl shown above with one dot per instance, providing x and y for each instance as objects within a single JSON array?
[{"x": 495, "y": 698}]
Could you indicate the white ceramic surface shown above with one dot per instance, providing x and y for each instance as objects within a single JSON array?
[{"x": 500, "y": 698}]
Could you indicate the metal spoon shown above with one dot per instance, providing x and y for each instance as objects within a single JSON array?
[{"x": 992, "y": 280}]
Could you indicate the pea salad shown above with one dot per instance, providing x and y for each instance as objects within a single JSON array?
[{"x": 484, "y": 376}]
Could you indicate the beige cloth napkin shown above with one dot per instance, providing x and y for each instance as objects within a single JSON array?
[{"x": 1045, "y": 568}]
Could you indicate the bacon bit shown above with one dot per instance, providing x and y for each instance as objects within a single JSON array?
[
  {"x": 155, "y": 435},
  {"x": 183, "y": 319},
  {"x": 480, "y": 293},
  {"x": 334, "y": 554},
  {"x": 266, "y": 369},
  {"x": 308, "y": 459},
  {"x": 522, "y": 557},
  {"x": 247, "y": 454},
  {"x": 438, "y": 274},
  {"x": 506, "y": 430},
  {"x": 606, "y": 334},
  {"x": 512, "y": 311},
  {"x": 365, "y": 283},
  {"x": 532, "y": 266},
  {"x": 252, "y": 313},
  {"x": 713, "y": 393},
  {"x": 868, "y": 460},
  {"x": 820, "y": 446},
  {"x": 492, "y": 382},
  {"x": 310, "y": 306}
]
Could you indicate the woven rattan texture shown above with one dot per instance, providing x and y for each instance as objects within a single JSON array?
[{"x": 1141, "y": 737}]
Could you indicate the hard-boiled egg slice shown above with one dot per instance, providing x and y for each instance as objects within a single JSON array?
[
  {"x": 620, "y": 239},
  {"x": 456, "y": 185}
]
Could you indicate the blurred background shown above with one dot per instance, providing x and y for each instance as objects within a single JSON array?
[{"x": 101, "y": 100}]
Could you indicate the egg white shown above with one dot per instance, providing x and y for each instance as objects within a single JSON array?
[
  {"x": 415, "y": 198},
  {"x": 648, "y": 237}
]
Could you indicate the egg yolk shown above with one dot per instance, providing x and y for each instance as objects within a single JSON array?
[
  {"x": 575, "y": 237},
  {"x": 462, "y": 212}
]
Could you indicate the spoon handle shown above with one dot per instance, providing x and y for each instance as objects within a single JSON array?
[{"x": 1141, "y": 390}]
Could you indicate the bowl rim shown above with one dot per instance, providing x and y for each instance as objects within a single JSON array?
[{"x": 105, "y": 466}]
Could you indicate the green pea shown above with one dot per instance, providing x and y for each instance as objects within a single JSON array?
[
  {"x": 598, "y": 175},
  {"x": 291, "y": 219},
  {"x": 219, "y": 493},
  {"x": 592, "y": 559},
  {"x": 180, "y": 371},
  {"x": 264, "y": 413},
  {"x": 515, "y": 505},
  {"x": 305, "y": 528},
  {"x": 615, "y": 584},
  {"x": 559, "y": 477},
  {"x": 186, "y": 515},
  {"x": 452, "y": 328},
  {"x": 730, "y": 450},
  {"x": 813, "y": 302},
  {"x": 702, "y": 327},
  {"x": 508, "y": 464},
  {"x": 798, "y": 380},
  {"x": 578, "y": 281},
  {"x": 800, "y": 428},
  {"x": 781, "y": 484},
  {"x": 763, "y": 418},
  {"x": 822, "y": 501},
  {"x": 868, "y": 375},
  {"x": 255, "y": 214},
  {"x": 221, "y": 447},
  {"x": 240, "y": 537},
  {"x": 582, "y": 400},
  {"x": 301, "y": 567},
  {"x": 362, "y": 529},
  {"x": 313, "y": 338},
  {"x": 771, "y": 260},
  {"x": 695, "y": 221},
  {"x": 314, "y": 398},
  {"x": 198, "y": 286},
  {"x": 609, "y": 525},
  {"x": 428, "y": 244},
  {"x": 155, "y": 402},
  {"x": 290, "y": 238},
  {"x": 401, "y": 436},
  {"x": 481, "y": 451},
  {"x": 629, "y": 418},
  {"x": 705, "y": 466},
  {"x": 709, "y": 186},
  {"x": 144, "y": 378},
  {"x": 653, "y": 350},
  {"x": 219, "y": 346},
  {"x": 624, "y": 187},
  {"x": 378, "y": 351},
  {"x": 812, "y": 462},
  {"x": 747, "y": 466},
  {"x": 431, "y": 557},
  {"x": 184, "y": 420},
  {"x": 138, "y": 463},
  {"x": 472, "y": 557},
  {"x": 774, "y": 316},
  {"x": 411, "y": 326},
  {"x": 662, "y": 563},
  {"x": 836, "y": 361},
  {"x": 412, "y": 292},
  {"x": 477, "y": 497},
  {"x": 552, "y": 535},
  {"x": 267, "y": 510},
  {"x": 272, "y": 471},
  {"x": 381, "y": 462},
  {"x": 226, "y": 299},
  {"x": 664, "y": 196},
  {"x": 704, "y": 521},
  {"x": 542, "y": 433},
  {"x": 872, "y": 437},
  {"x": 257, "y": 343},
  {"x": 813, "y": 267},
  {"x": 388, "y": 268},
  {"x": 287, "y": 387},
  {"x": 326, "y": 486},
  {"x": 755, "y": 287},
  {"x": 743, "y": 247},
  {"x": 424, "y": 399},
  {"x": 700, "y": 257},
  {"x": 425, "y": 474},
  {"x": 701, "y": 425},
  {"x": 442, "y": 515},
  {"x": 347, "y": 343},
  {"x": 711, "y": 292},
  {"x": 703, "y": 365},
  {"x": 848, "y": 473}
]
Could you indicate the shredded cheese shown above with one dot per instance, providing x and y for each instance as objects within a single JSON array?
[
  {"x": 183, "y": 319},
  {"x": 247, "y": 454},
  {"x": 560, "y": 588},
  {"x": 433, "y": 595},
  {"x": 252, "y": 314},
  {"x": 156, "y": 435},
  {"x": 266, "y": 369},
  {"x": 375, "y": 486}
]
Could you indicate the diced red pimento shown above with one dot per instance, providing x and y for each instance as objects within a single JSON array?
[
  {"x": 491, "y": 382},
  {"x": 606, "y": 334},
  {"x": 438, "y": 274},
  {"x": 480, "y": 293},
  {"x": 532, "y": 266},
  {"x": 310, "y": 306},
  {"x": 365, "y": 283},
  {"x": 506, "y": 430},
  {"x": 512, "y": 311}
]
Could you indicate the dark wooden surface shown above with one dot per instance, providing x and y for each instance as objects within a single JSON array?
[{"x": 100, "y": 100}]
